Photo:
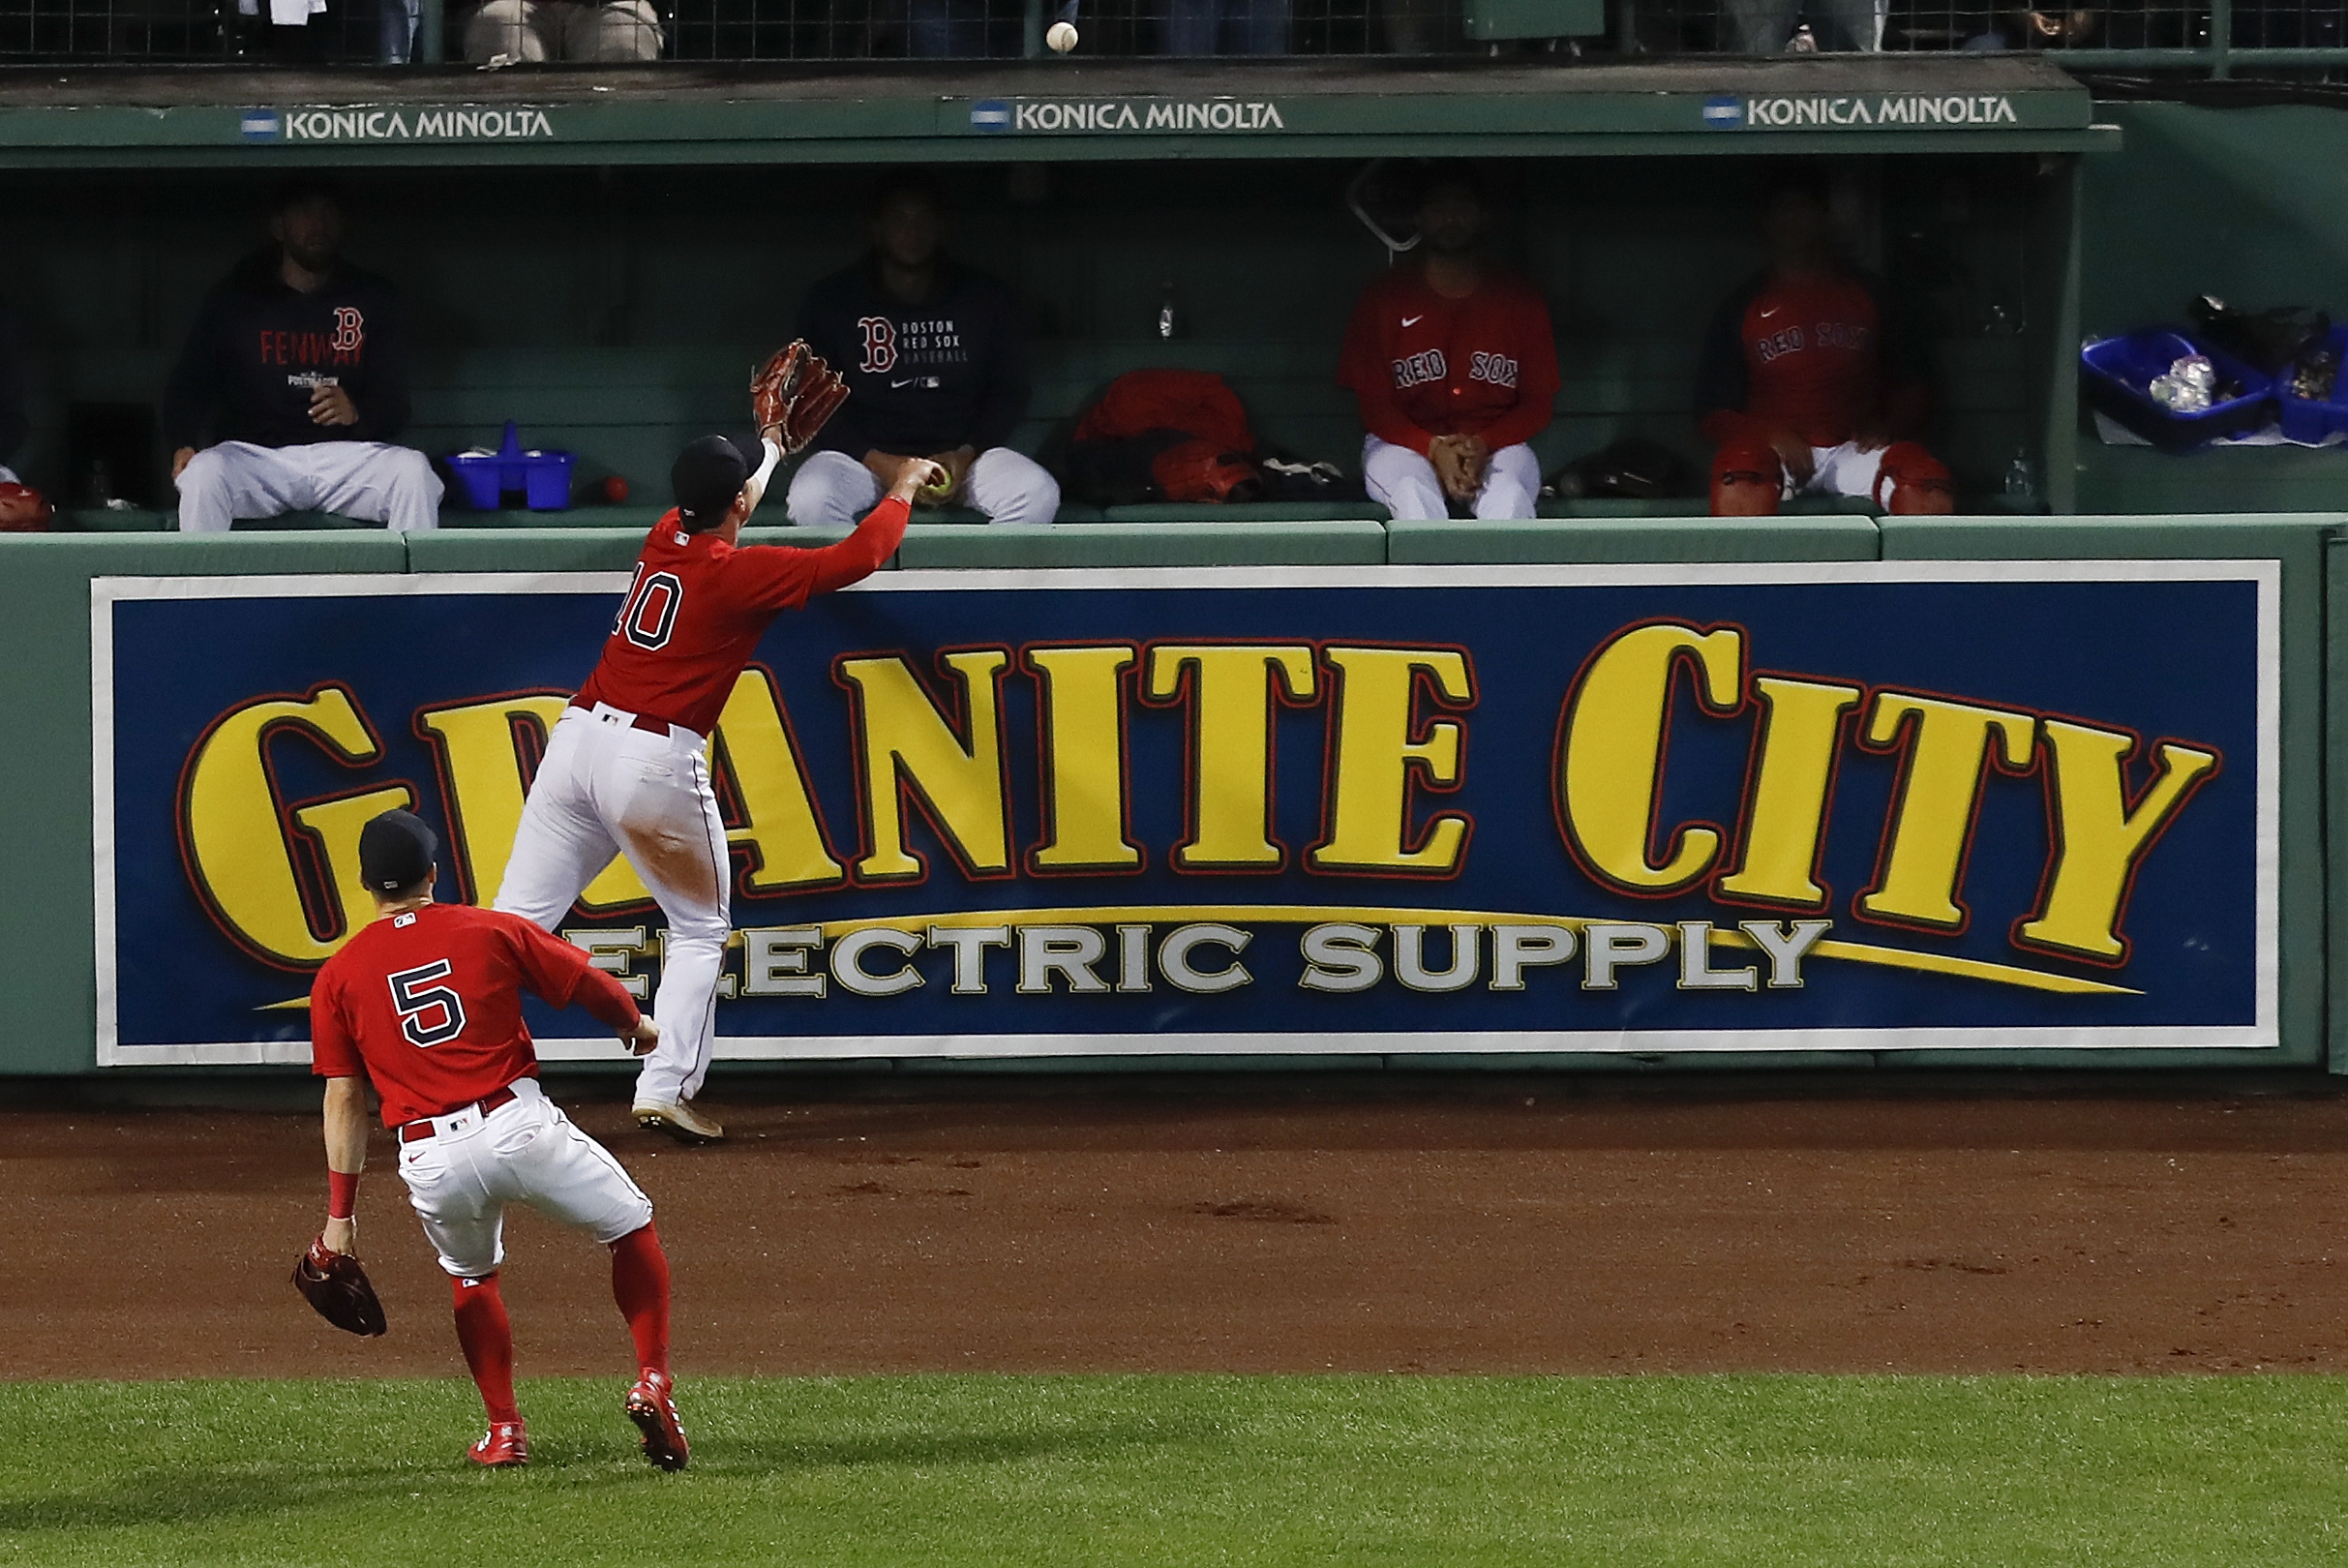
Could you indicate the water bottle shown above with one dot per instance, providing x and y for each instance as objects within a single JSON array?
[
  {"x": 1169, "y": 314},
  {"x": 2022, "y": 480}
]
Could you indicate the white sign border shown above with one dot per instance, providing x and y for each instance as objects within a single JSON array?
[{"x": 2263, "y": 1034}]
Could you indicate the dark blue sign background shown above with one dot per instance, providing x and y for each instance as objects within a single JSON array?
[{"x": 2167, "y": 659}]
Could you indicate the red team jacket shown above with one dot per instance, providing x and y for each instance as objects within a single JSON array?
[
  {"x": 1423, "y": 366},
  {"x": 698, "y": 607},
  {"x": 1808, "y": 356},
  {"x": 428, "y": 1006}
]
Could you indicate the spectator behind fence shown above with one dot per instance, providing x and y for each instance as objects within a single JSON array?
[
  {"x": 960, "y": 29},
  {"x": 395, "y": 30},
  {"x": 1801, "y": 26},
  {"x": 936, "y": 363},
  {"x": 1454, "y": 369},
  {"x": 538, "y": 30},
  {"x": 1224, "y": 27},
  {"x": 297, "y": 368},
  {"x": 1809, "y": 386}
]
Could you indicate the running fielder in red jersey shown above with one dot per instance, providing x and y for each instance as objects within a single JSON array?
[
  {"x": 425, "y": 1004},
  {"x": 626, "y": 770},
  {"x": 1806, "y": 388}
]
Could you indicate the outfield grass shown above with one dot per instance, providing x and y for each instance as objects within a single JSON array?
[{"x": 986, "y": 1471}]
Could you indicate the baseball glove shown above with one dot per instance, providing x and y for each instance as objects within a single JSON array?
[
  {"x": 792, "y": 393},
  {"x": 336, "y": 1285}
]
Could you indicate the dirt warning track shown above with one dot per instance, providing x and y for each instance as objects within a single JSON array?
[{"x": 1364, "y": 1222}]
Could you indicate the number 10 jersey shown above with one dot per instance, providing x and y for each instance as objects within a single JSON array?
[{"x": 698, "y": 606}]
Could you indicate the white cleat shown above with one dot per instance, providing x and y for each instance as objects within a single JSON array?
[{"x": 679, "y": 1121}]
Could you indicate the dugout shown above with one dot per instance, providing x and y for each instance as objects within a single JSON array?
[{"x": 595, "y": 255}]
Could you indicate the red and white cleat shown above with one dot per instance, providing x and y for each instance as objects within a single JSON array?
[
  {"x": 655, "y": 1414},
  {"x": 506, "y": 1444}
]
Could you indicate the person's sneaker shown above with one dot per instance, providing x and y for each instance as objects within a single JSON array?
[
  {"x": 655, "y": 1416},
  {"x": 507, "y": 1443},
  {"x": 679, "y": 1121}
]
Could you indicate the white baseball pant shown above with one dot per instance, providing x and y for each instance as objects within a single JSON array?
[
  {"x": 527, "y": 1151},
  {"x": 833, "y": 489},
  {"x": 1405, "y": 482},
  {"x": 1842, "y": 470},
  {"x": 608, "y": 788},
  {"x": 373, "y": 481}
]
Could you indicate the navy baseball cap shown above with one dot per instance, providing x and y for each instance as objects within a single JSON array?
[
  {"x": 706, "y": 477},
  {"x": 396, "y": 851}
]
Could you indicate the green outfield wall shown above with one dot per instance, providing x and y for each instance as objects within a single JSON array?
[{"x": 46, "y": 897}]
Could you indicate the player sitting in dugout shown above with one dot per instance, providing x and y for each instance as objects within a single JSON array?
[
  {"x": 1809, "y": 387},
  {"x": 1454, "y": 369},
  {"x": 23, "y": 508},
  {"x": 296, "y": 370},
  {"x": 935, "y": 359}
]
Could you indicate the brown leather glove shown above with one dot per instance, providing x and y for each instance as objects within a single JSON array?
[
  {"x": 792, "y": 393},
  {"x": 339, "y": 1288}
]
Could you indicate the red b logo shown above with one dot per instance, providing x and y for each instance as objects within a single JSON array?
[
  {"x": 880, "y": 344},
  {"x": 349, "y": 330}
]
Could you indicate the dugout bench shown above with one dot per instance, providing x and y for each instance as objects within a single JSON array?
[{"x": 588, "y": 253}]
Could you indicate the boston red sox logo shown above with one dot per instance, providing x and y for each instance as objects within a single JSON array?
[
  {"x": 880, "y": 344},
  {"x": 349, "y": 330}
]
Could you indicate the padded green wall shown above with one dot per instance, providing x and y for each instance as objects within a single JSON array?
[
  {"x": 2301, "y": 544},
  {"x": 1632, "y": 539},
  {"x": 46, "y": 907},
  {"x": 2335, "y": 807}
]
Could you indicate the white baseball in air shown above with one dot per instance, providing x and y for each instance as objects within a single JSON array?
[{"x": 1061, "y": 36}]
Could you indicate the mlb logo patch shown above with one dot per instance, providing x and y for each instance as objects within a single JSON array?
[
  {"x": 990, "y": 114},
  {"x": 261, "y": 125},
  {"x": 1724, "y": 113}
]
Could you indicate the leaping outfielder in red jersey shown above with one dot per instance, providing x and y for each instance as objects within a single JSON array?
[
  {"x": 1806, "y": 389},
  {"x": 626, "y": 770}
]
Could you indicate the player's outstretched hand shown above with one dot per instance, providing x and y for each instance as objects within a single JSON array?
[
  {"x": 793, "y": 394},
  {"x": 339, "y": 1235},
  {"x": 641, "y": 1039}
]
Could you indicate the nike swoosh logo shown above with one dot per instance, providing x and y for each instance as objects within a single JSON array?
[
  {"x": 894, "y": 386},
  {"x": 1412, "y": 320}
]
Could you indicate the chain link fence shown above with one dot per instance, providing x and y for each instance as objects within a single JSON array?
[{"x": 2195, "y": 35}]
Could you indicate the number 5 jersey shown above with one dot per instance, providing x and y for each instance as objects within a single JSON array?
[{"x": 427, "y": 1006}]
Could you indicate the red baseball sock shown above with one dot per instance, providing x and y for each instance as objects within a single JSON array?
[
  {"x": 487, "y": 1335},
  {"x": 639, "y": 1283}
]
